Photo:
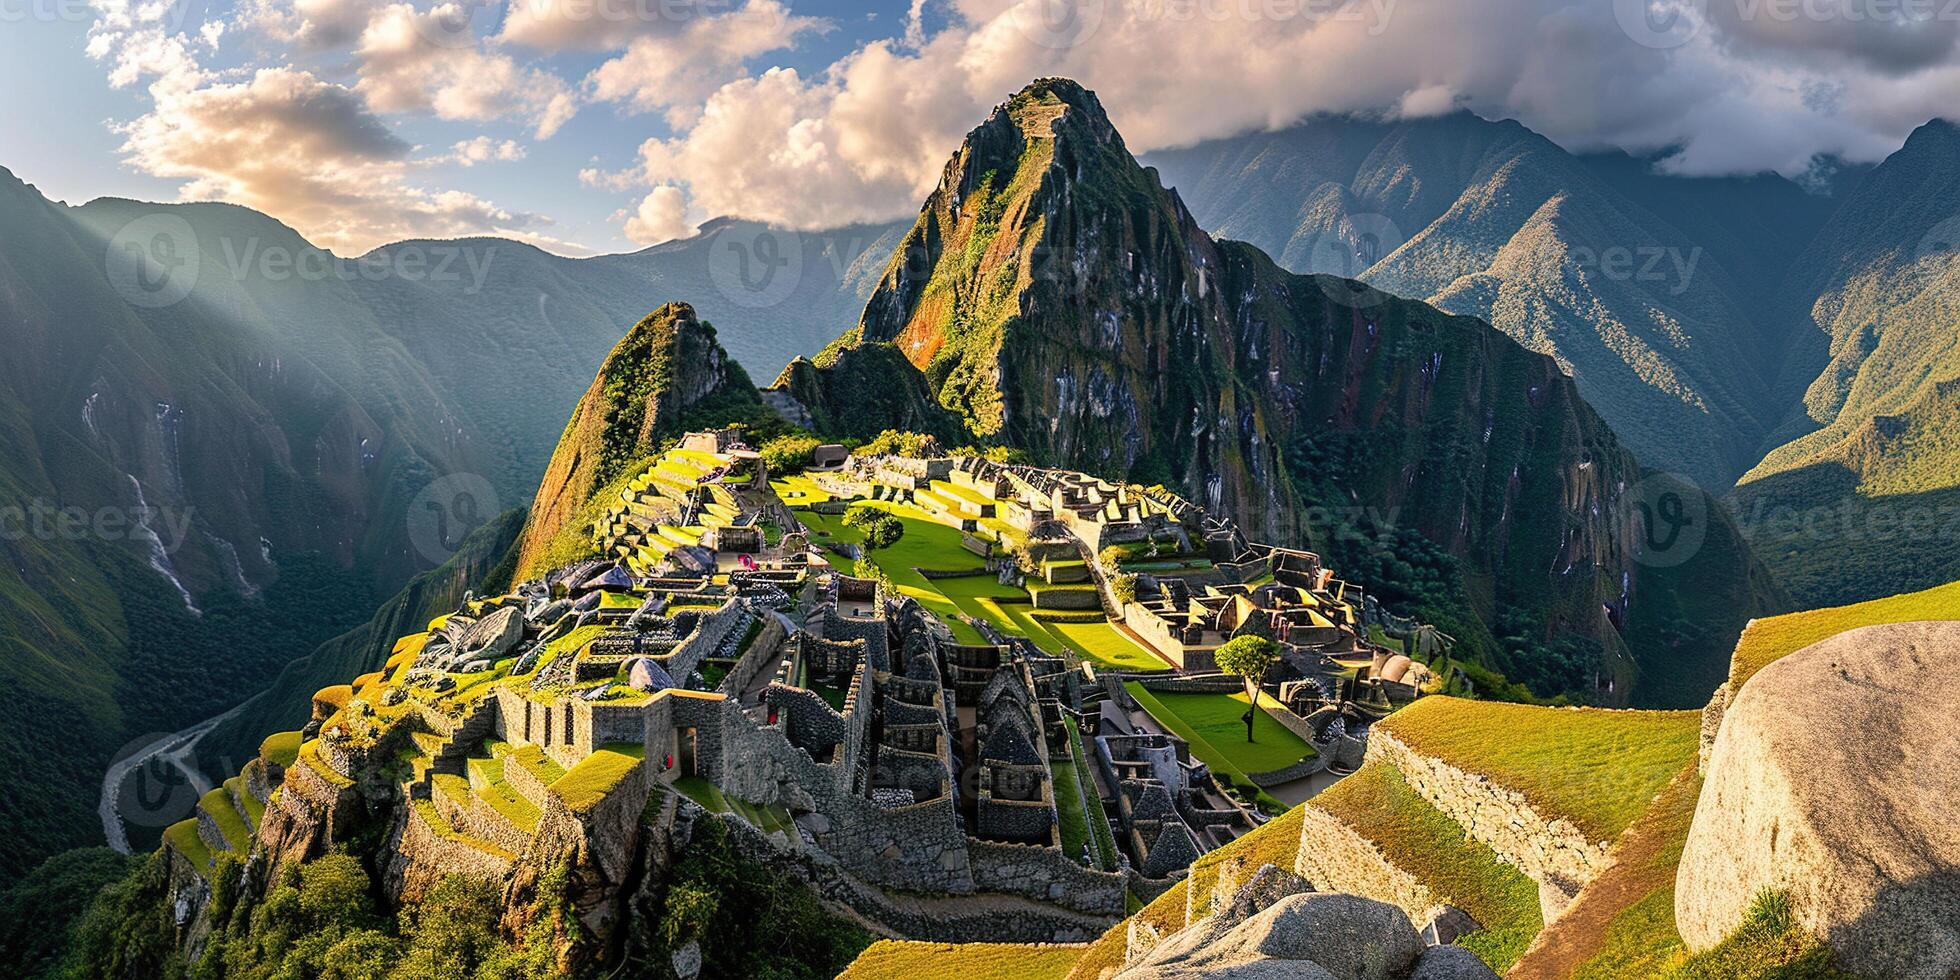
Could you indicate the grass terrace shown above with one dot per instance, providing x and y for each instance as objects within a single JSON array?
[
  {"x": 1769, "y": 640},
  {"x": 898, "y": 959},
  {"x": 182, "y": 836},
  {"x": 1276, "y": 842},
  {"x": 771, "y": 819},
  {"x": 281, "y": 748},
  {"x": 231, "y": 823},
  {"x": 1378, "y": 804},
  {"x": 1596, "y": 767},
  {"x": 585, "y": 784},
  {"x": 1211, "y": 724},
  {"x": 932, "y": 545},
  {"x": 1100, "y": 835}
]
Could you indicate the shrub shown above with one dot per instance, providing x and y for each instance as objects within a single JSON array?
[
  {"x": 1124, "y": 588},
  {"x": 788, "y": 454}
]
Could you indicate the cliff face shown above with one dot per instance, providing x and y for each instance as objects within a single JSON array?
[
  {"x": 667, "y": 366},
  {"x": 1060, "y": 300}
]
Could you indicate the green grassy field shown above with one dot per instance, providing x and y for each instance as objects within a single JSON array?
[
  {"x": 230, "y": 822},
  {"x": 931, "y": 545},
  {"x": 281, "y": 748},
  {"x": 1211, "y": 724},
  {"x": 1768, "y": 640},
  {"x": 1377, "y": 803},
  {"x": 1595, "y": 767},
  {"x": 897, "y": 959},
  {"x": 182, "y": 836}
]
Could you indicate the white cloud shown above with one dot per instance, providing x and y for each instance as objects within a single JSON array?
[
  {"x": 482, "y": 149},
  {"x": 662, "y": 216},
  {"x": 678, "y": 70},
  {"x": 428, "y": 61},
  {"x": 864, "y": 138}
]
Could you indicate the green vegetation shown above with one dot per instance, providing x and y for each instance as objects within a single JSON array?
[
  {"x": 587, "y": 783},
  {"x": 750, "y": 920},
  {"x": 788, "y": 454},
  {"x": 1769, "y": 944},
  {"x": 1378, "y": 804},
  {"x": 231, "y": 823},
  {"x": 769, "y": 819},
  {"x": 879, "y": 529},
  {"x": 896, "y": 959},
  {"x": 1768, "y": 640},
  {"x": 39, "y": 912},
  {"x": 281, "y": 748},
  {"x": 1210, "y": 723},
  {"x": 1099, "y": 832},
  {"x": 1597, "y": 768},
  {"x": 1248, "y": 658}
]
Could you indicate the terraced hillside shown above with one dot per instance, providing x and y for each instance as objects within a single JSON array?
[{"x": 1431, "y": 820}]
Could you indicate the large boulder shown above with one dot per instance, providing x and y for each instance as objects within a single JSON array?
[
  {"x": 1832, "y": 780},
  {"x": 1302, "y": 935}
]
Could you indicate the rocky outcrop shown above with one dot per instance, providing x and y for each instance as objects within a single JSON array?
[
  {"x": 1831, "y": 782},
  {"x": 1277, "y": 927}
]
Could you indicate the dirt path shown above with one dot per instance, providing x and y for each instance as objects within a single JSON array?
[{"x": 1644, "y": 860}]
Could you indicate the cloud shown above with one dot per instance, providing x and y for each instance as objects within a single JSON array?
[
  {"x": 308, "y": 25},
  {"x": 662, "y": 216},
  {"x": 482, "y": 149},
  {"x": 428, "y": 61},
  {"x": 677, "y": 71},
  {"x": 863, "y": 138}
]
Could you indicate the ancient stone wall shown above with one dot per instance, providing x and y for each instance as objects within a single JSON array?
[
  {"x": 422, "y": 855},
  {"x": 1046, "y": 875},
  {"x": 1336, "y": 859},
  {"x": 1551, "y": 851}
]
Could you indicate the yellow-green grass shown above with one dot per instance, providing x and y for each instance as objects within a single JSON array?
[
  {"x": 771, "y": 818},
  {"x": 182, "y": 836},
  {"x": 231, "y": 823},
  {"x": 898, "y": 959},
  {"x": 281, "y": 748},
  {"x": 1640, "y": 939},
  {"x": 253, "y": 809},
  {"x": 1071, "y": 815},
  {"x": 1106, "y": 645},
  {"x": 1098, "y": 642},
  {"x": 309, "y": 755},
  {"x": 1378, "y": 804},
  {"x": 1596, "y": 767},
  {"x": 585, "y": 784},
  {"x": 1275, "y": 842},
  {"x": 800, "y": 490},
  {"x": 1213, "y": 725},
  {"x": 502, "y": 797},
  {"x": 1099, "y": 832},
  {"x": 543, "y": 768},
  {"x": 1769, "y": 640}
]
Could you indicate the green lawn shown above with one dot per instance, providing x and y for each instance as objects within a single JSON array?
[
  {"x": 182, "y": 835},
  {"x": 772, "y": 818},
  {"x": 230, "y": 822},
  {"x": 253, "y": 808},
  {"x": 281, "y": 749},
  {"x": 899, "y": 959},
  {"x": 1595, "y": 767},
  {"x": 1099, "y": 832},
  {"x": 1771, "y": 639},
  {"x": 588, "y": 782},
  {"x": 1211, "y": 724},
  {"x": 502, "y": 797}
]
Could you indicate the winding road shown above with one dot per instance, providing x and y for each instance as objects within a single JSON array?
[{"x": 175, "y": 750}]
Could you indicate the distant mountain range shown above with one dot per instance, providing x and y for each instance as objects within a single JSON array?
[
  {"x": 294, "y": 429},
  {"x": 300, "y": 432}
]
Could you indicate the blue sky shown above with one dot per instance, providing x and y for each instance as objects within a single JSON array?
[{"x": 602, "y": 128}]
